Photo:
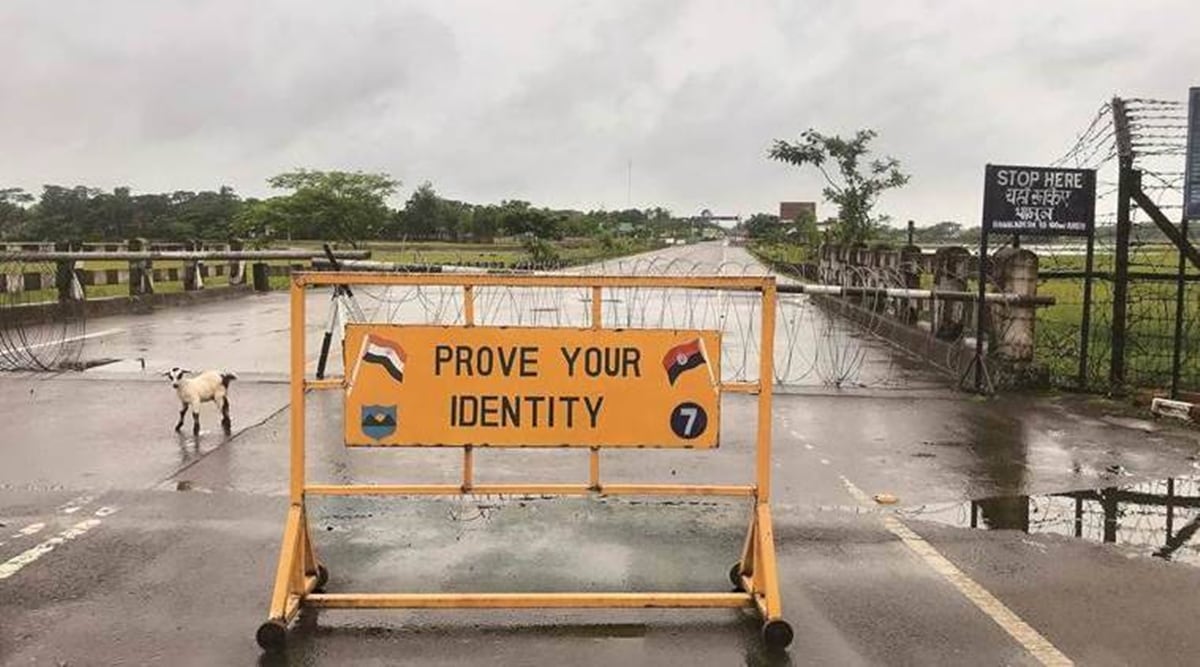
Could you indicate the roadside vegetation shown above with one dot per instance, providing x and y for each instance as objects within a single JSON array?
[{"x": 351, "y": 208}]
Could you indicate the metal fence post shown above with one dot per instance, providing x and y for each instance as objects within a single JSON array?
[
  {"x": 1125, "y": 187},
  {"x": 1180, "y": 288},
  {"x": 1126, "y": 183},
  {"x": 1085, "y": 323}
]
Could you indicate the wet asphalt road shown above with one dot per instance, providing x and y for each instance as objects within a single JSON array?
[{"x": 123, "y": 543}]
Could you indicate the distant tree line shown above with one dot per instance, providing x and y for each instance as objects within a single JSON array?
[{"x": 330, "y": 205}]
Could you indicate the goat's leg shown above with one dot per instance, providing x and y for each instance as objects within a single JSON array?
[
  {"x": 195, "y": 419},
  {"x": 182, "y": 414},
  {"x": 225, "y": 422}
]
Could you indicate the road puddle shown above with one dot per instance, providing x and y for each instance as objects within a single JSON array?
[{"x": 1157, "y": 518}]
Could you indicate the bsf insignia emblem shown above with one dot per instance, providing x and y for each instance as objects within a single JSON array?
[{"x": 378, "y": 421}]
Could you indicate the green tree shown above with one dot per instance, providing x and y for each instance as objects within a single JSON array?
[
  {"x": 763, "y": 227},
  {"x": 262, "y": 221},
  {"x": 422, "y": 213},
  {"x": 204, "y": 214},
  {"x": 854, "y": 186},
  {"x": 338, "y": 205},
  {"x": 518, "y": 218},
  {"x": 14, "y": 214},
  {"x": 66, "y": 213},
  {"x": 804, "y": 230}
]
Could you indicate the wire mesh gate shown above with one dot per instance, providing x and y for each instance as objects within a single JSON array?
[{"x": 301, "y": 575}]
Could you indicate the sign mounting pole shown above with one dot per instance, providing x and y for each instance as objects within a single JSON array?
[{"x": 1191, "y": 209}]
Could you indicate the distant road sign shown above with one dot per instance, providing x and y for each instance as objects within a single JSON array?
[
  {"x": 1039, "y": 201},
  {"x": 540, "y": 387},
  {"x": 1191, "y": 187}
]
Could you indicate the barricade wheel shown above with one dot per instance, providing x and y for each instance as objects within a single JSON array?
[
  {"x": 272, "y": 636},
  {"x": 735, "y": 577},
  {"x": 322, "y": 579},
  {"x": 777, "y": 634}
]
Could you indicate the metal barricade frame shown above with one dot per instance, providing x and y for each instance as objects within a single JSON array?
[{"x": 300, "y": 575}]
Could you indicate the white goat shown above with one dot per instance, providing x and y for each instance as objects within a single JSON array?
[{"x": 207, "y": 386}]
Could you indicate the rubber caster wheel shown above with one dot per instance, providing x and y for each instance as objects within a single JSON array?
[
  {"x": 735, "y": 577},
  {"x": 322, "y": 579},
  {"x": 272, "y": 636},
  {"x": 777, "y": 635}
]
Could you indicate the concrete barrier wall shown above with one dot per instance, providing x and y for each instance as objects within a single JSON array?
[{"x": 32, "y": 281}]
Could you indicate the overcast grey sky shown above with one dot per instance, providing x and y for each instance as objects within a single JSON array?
[{"x": 549, "y": 101}]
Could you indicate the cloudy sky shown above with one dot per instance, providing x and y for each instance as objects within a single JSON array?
[{"x": 551, "y": 101}]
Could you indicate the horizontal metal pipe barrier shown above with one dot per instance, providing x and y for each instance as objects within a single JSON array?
[
  {"x": 907, "y": 293},
  {"x": 216, "y": 255}
]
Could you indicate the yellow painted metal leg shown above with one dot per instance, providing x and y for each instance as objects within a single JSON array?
[
  {"x": 296, "y": 575},
  {"x": 289, "y": 559},
  {"x": 311, "y": 562},
  {"x": 766, "y": 574},
  {"x": 749, "y": 553}
]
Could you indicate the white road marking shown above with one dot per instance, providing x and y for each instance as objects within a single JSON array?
[
  {"x": 73, "y": 506},
  {"x": 1032, "y": 640},
  {"x": 71, "y": 339},
  {"x": 13, "y": 565},
  {"x": 31, "y": 529}
]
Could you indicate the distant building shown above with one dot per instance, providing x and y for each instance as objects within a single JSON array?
[{"x": 790, "y": 211}]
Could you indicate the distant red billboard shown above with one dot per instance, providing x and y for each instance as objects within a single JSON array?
[{"x": 794, "y": 210}]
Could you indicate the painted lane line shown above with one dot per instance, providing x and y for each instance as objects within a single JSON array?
[
  {"x": 1030, "y": 639},
  {"x": 13, "y": 565},
  {"x": 75, "y": 504},
  {"x": 72, "y": 339},
  {"x": 31, "y": 529}
]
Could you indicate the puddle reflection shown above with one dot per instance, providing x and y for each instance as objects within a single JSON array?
[{"x": 1158, "y": 518}]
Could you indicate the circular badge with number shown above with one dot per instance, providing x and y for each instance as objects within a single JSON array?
[{"x": 688, "y": 420}]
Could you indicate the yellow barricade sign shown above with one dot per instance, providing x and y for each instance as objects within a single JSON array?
[
  {"x": 467, "y": 386},
  {"x": 525, "y": 386}
]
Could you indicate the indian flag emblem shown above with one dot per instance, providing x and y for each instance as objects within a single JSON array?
[{"x": 385, "y": 353}]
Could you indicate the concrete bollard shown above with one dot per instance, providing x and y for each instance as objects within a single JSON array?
[
  {"x": 1012, "y": 327},
  {"x": 860, "y": 257},
  {"x": 876, "y": 275},
  {"x": 192, "y": 278},
  {"x": 237, "y": 268},
  {"x": 141, "y": 271},
  {"x": 66, "y": 276},
  {"x": 262, "y": 277},
  {"x": 910, "y": 273},
  {"x": 950, "y": 273}
]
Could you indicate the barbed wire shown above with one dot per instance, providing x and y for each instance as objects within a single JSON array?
[
  {"x": 811, "y": 347},
  {"x": 1156, "y": 139},
  {"x": 38, "y": 331}
]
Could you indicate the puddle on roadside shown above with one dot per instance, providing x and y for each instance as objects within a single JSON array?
[{"x": 1157, "y": 518}]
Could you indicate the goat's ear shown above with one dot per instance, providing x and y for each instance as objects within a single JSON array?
[
  {"x": 165, "y": 374},
  {"x": 185, "y": 371}
]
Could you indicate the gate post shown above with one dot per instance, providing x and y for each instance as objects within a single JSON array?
[
  {"x": 1015, "y": 269},
  {"x": 951, "y": 266},
  {"x": 141, "y": 271}
]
